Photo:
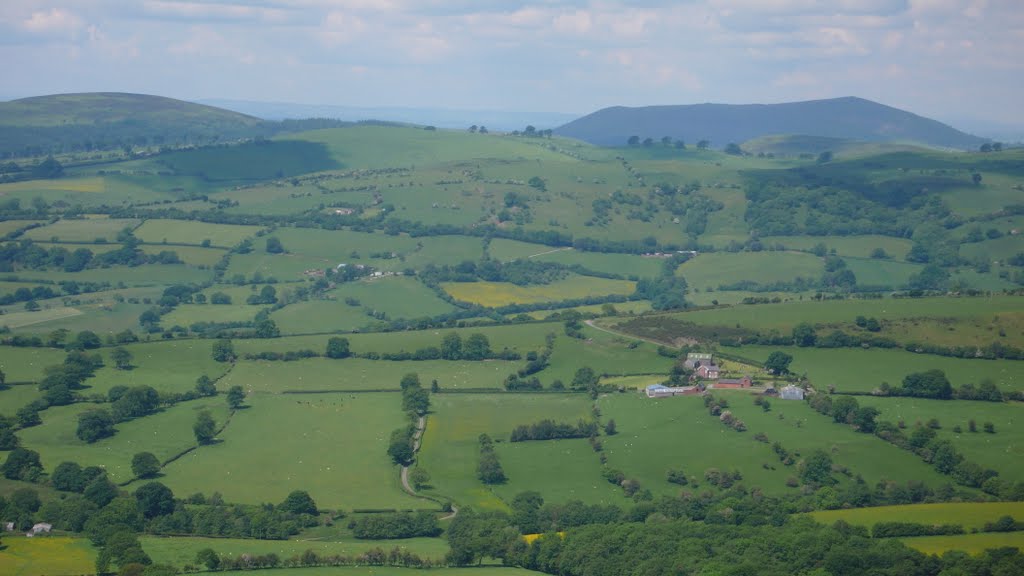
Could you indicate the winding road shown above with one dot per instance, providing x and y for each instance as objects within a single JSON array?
[{"x": 417, "y": 436}]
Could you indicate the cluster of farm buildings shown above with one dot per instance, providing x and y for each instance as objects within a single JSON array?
[{"x": 708, "y": 375}]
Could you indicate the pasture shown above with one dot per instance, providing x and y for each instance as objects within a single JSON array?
[
  {"x": 8, "y": 226},
  {"x": 495, "y": 294},
  {"x": 186, "y": 315},
  {"x": 842, "y": 313},
  {"x": 859, "y": 370},
  {"x": 1002, "y": 451},
  {"x": 845, "y": 246},
  {"x": 179, "y": 551},
  {"x": 26, "y": 364},
  {"x": 606, "y": 354},
  {"x": 144, "y": 275},
  {"x": 561, "y": 470},
  {"x": 715, "y": 270},
  {"x": 165, "y": 434},
  {"x": 519, "y": 337},
  {"x": 658, "y": 434},
  {"x": 451, "y": 450},
  {"x": 85, "y": 230},
  {"x": 332, "y": 445},
  {"x": 624, "y": 264},
  {"x": 193, "y": 233},
  {"x": 357, "y": 374},
  {"x": 967, "y": 514},
  {"x": 49, "y": 556},
  {"x": 13, "y": 398},
  {"x": 396, "y": 297},
  {"x": 167, "y": 366}
]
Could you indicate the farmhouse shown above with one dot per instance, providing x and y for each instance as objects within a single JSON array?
[
  {"x": 792, "y": 393},
  {"x": 708, "y": 371},
  {"x": 662, "y": 391},
  {"x": 744, "y": 382}
]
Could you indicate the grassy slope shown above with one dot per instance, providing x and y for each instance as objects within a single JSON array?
[
  {"x": 451, "y": 449},
  {"x": 334, "y": 446}
]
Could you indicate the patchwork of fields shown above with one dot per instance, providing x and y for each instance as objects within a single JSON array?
[{"x": 318, "y": 270}]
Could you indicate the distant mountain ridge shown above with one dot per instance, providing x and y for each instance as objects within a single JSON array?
[
  {"x": 504, "y": 120},
  {"x": 847, "y": 118},
  {"x": 109, "y": 120}
]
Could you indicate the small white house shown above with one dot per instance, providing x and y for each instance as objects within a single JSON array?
[
  {"x": 792, "y": 393},
  {"x": 9, "y": 526}
]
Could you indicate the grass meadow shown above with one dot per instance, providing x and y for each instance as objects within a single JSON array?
[
  {"x": 49, "y": 556},
  {"x": 356, "y": 374},
  {"x": 678, "y": 433},
  {"x": 167, "y": 366},
  {"x": 713, "y": 270},
  {"x": 186, "y": 315},
  {"x": 859, "y": 370},
  {"x": 845, "y": 246},
  {"x": 450, "y": 450},
  {"x": 625, "y": 264},
  {"x": 26, "y": 364},
  {"x": 1002, "y": 451},
  {"x": 165, "y": 434},
  {"x": 606, "y": 354},
  {"x": 8, "y": 226},
  {"x": 85, "y": 230},
  {"x": 332, "y": 445},
  {"x": 193, "y": 232},
  {"x": 967, "y": 514},
  {"x": 13, "y": 398},
  {"x": 784, "y": 316},
  {"x": 494, "y": 294}
]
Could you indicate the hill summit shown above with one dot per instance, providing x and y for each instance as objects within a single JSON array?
[
  {"x": 846, "y": 118},
  {"x": 101, "y": 119}
]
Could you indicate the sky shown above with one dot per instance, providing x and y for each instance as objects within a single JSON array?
[{"x": 956, "y": 61}]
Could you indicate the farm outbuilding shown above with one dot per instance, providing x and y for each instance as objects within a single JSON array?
[{"x": 792, "y": 393}]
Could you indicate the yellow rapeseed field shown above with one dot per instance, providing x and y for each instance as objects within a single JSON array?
[
  {"x": 494, "y": 294},
  {"x": 46, "y": 555}
]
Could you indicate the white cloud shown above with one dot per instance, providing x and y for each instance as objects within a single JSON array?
[{"x": 53, "y": 21}]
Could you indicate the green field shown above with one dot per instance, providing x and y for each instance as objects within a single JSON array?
[
  {"x": 970, "y": 543},
  {"x": 518, "y": 337},
  {"x": 858, "y": 370},
  {"x": 451, "y": 448},
  {"x": 186, "y": 315},
  {"x": 783, "y": 317},
  {"x": 167, "y": 366},
  {"x": 714, "y": 270},
  {"x": 8, "y": 226},
  {"x": 1002, "y": 451},
  {"x": 656, "y": 435},
  {"x": 13, "y": 398},
  {"x": 84, "y": 230},
  {"x": 194, "y": 233},
  {"x": 606, "y": 354},
  {"x": 165, "y": 434},
  {"x": 50, "y": 556},
  {"x": 397, "y": 297},
  {"x": 845, "y": 246},
  {"x": 967, "y": 514},
  {"x": 624, "y": 264},
  {"x": 179, "y": 551},
  {"x": 331, "y": 445},
  {"x": 494, "y": 294},
  {"x": 356, "y": 374},
  {"x": 26, "y": 364}
]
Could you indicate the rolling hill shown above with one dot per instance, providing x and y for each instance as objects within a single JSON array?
[
  {"x": 65, "y": 122},
  {"x": 846, "y": 118}
]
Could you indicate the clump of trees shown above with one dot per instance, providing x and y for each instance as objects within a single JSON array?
[
  {"x": 550, "y": 430},
  {"x": 392, "y": 526},
  {"x": 489, "y": 469}
]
